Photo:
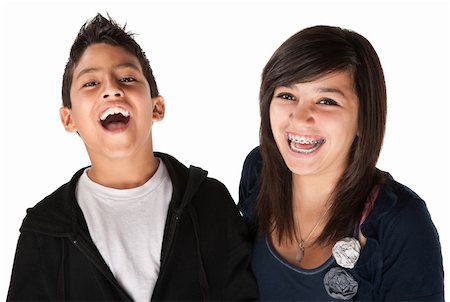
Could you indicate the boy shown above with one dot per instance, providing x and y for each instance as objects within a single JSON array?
[{"x": 135, "y": 225}]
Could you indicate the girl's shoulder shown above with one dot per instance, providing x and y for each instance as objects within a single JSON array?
[
  {"x": 395, "y": 205},
  {"x": 402, "y": 251}
]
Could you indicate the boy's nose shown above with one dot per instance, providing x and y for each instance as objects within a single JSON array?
[
  {"x": 112, "y": 88},
  {"x": 116, "y": 94}
]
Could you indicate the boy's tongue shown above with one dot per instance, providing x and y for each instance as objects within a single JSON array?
[
  {"x": 115, "y": 121},
  {"x": 115, "y": 126}
]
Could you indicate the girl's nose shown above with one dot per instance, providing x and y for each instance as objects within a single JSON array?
[{"x": 304, "y": 113}]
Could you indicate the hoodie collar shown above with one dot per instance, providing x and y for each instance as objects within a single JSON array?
[{"x": 59, "y": 214}]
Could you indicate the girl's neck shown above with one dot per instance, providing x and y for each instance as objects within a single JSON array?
[{"x": 311, "y": 193}]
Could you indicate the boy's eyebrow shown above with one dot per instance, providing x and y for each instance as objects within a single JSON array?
[
  {"x": 128, "y": 65},
  {"x": 86, "y": 70},
  {"x": 119, "y": 66}
]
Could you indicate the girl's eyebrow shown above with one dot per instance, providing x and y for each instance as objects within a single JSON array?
[
  {"x": 289, "y": 86},
  {"x": 330, "y": 90},
  {"x": 318, "y": 90}
]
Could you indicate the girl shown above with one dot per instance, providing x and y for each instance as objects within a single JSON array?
[{"x": 330, "y": 225}]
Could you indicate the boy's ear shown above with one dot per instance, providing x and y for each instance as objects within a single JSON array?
[
  {"x": 65, "y": 115},
  {"x": 159, "y": 108}
]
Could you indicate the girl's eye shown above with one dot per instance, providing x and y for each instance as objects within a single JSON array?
[
  {"x": 90, "y": 84},
  {"x": 327, "y": 101},
  {"x": 286, "y": 96},
  {"x": 127, "y": 79}
]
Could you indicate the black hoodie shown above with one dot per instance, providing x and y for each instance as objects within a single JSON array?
[{"x": 204, "y": 256}]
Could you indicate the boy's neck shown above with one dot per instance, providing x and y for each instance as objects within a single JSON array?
[{"x": 123, "y": 174}]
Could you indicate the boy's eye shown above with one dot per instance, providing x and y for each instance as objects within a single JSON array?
[
  {"x": 127, "y": 79},
  {"x": 327, "y": 101},
  {"x": 90, "y": 84},
  {"x": 286, "y": 96}
]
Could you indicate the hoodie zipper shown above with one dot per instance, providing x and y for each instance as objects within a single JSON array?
[
  {"x": 172, "y": 228},
  {"x": 84, "y": 249},
  {"x": 196, "y": 177},
  {"x": 171, "y": 235}
]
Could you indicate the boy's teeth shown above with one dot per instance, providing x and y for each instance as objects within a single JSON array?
[{"x": 113, "y": 110}]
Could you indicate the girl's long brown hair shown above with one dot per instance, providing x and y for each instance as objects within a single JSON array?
[{"x": 307, "y": 55}]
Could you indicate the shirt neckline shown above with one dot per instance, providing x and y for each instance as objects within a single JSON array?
[{"x": 296, "y": 269}]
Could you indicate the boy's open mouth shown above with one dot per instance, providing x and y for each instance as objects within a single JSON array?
[{"x": 114, "y": 118}]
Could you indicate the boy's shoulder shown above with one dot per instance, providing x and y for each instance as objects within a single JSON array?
[
  {"x": 192, "y": 184},
  {"x": 54, "y": 213},
  {"x": 190, "y": 178}
]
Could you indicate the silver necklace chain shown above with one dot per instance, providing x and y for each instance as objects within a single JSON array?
[{"x": 301, "y": 243}]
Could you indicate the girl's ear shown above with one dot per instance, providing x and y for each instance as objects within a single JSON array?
[
  {"x": 159, "y": 108},
  {"x": 65, "y": 114}
]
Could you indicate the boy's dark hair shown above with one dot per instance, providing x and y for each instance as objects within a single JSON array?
[
  {"x": 102, "y": 30},
  {"x": 306, "y": 56}
]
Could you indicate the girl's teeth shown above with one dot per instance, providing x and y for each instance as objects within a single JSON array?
[
  {"x": 303, "y": 141},
  {"x": 294, "y": 147},
  {"x": 296, "y": 141}
]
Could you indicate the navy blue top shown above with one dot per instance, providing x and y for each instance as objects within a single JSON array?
[
  {"x": 401, "y": 259},
  {"x": 278, "y": 280}
]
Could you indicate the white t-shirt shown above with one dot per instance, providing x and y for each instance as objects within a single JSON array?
[{"x": 127, "y": 227}]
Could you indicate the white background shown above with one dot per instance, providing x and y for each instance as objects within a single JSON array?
[{"x": 207, "y": 58}]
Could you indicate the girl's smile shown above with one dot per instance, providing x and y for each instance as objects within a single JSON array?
[{"x": 303, "y": 144}]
